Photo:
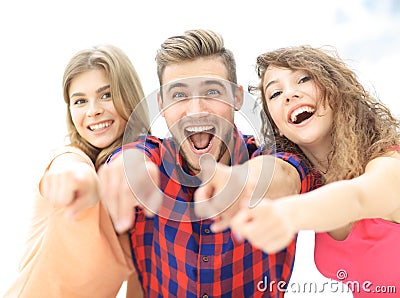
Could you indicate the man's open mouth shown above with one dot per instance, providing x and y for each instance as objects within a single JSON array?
[{"x": 200, "y": 136}]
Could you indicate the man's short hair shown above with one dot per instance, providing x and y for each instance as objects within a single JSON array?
[{"x": 195, "y": 44}]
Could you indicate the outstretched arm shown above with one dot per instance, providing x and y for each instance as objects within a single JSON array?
[
  {"x": 375, "y": 194},
  {"x": 61, "y": 253},
  {"x": 371, "y": 195}
]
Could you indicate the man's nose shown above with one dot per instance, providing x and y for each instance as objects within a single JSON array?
[{"x": 195, "y": 105}]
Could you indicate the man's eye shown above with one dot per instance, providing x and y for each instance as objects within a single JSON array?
[
  {"x": 304, "y": 79},
  {"x": 179, "y": 95},
  {"x": 275, "y": 94},
  {"x": 213, "y": 92}
]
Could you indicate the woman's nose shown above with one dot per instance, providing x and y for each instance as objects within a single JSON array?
[
  {"x": 95, "y": 109},
  {"x": 291, "y": 94}
]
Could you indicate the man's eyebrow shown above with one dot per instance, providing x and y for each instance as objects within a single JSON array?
[
  {"x": 214, "y": 82},
  {"x": 176, "y": 85},
  {"x": 204, "y": 83}
]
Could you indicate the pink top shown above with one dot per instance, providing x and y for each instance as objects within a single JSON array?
[{"x": 368, "y": 260}]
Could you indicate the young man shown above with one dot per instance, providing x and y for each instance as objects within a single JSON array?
[{"x": 174, "y": 250}]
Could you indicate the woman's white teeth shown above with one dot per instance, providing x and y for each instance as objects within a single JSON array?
[
  {"x": 297, "y": 112},
  {"x": 196, "y": 129},
  {"x": 100, "y": 125}
]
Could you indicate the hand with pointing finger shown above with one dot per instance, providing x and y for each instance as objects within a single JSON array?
[
  {"x": 130, "y": 180},
  {"x": 267, "y": 226},
  {"x": 227, "y": 188},
  {"x": 70, "y": 183},
  {"x": 222, "y": 191}
]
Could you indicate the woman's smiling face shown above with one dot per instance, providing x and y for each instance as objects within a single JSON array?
[
  {"x": 92, "y": 109},
  {"x": 294, "y": 102}
]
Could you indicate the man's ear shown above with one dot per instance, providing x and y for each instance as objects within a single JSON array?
[
  {"x": 160, "y": 103},
  {"x": 239, "y": 97}
]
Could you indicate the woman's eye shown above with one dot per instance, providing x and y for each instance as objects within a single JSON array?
[
  {"x": 79, "y": 101},
  {"x": 106, "y": 95},
  {"x": 275, "y": 94},
  {"x": 304, "y": 79}
]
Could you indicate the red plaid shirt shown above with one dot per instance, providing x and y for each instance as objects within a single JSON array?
[{"x": 183, "y": 258}]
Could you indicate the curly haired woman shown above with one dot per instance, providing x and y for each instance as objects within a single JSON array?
[{"x": 318, "y": 109}]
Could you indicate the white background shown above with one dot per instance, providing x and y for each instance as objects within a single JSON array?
[{"x": 37, "y": 38}]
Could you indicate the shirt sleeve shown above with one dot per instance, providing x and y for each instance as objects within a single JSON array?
[
  {"x": 150, "y": 146},
  {"x": 308, "y": 177}
]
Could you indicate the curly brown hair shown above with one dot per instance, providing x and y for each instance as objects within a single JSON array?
[{"x": 363, "y": 128}]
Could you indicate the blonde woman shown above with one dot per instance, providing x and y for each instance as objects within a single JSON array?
[{"x": 73, "y": 250}]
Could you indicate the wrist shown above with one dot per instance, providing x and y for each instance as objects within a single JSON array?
[{"x": 293, "y": 213}]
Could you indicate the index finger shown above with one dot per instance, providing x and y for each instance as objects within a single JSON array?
[{"x": 218, "y": 196}]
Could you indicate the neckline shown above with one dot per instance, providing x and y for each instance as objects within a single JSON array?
[{"x": 356, "y": 225}]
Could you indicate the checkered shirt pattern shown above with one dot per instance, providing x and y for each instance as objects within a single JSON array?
[{"x": 182, "y": 258}]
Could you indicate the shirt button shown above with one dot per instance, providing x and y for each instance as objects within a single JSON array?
[
  {"x": 207, "y": 231},
  {"x": 204, "y": 296},
  {"x": 205, "y": 259}
]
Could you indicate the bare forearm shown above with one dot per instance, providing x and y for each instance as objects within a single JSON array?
[
  {"x": 326, "y": 208},
  {"x": 371, "y": 195}
]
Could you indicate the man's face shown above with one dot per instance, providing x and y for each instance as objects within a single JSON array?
[{"x": 198, "y": 105}]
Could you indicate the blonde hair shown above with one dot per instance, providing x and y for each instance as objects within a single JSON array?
[
  {"x": 363, "y": 128},
  {"x": 125, "y": 86},
  {"x": 191, "y": 45}
]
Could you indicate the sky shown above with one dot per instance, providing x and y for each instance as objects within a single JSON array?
[{"x": 39, "y": 37}]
